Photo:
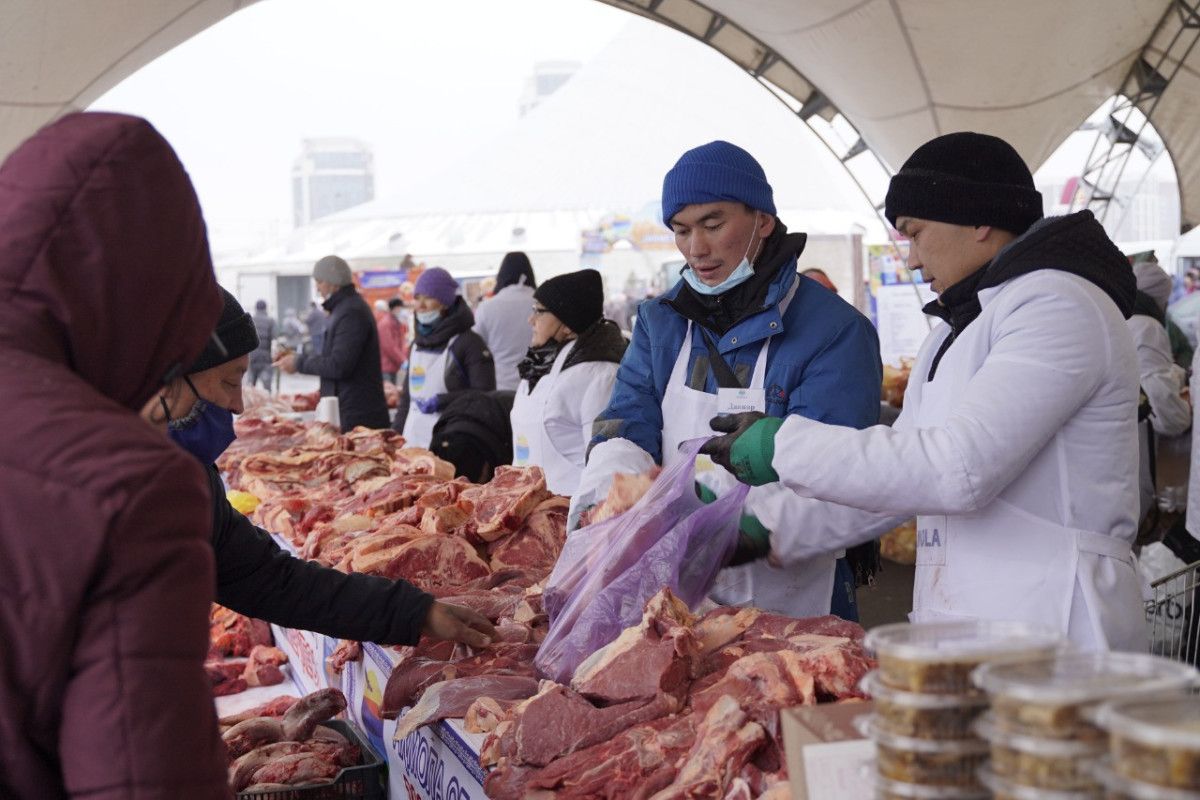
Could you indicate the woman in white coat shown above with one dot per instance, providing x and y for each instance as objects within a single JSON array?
[
  {"x": 1017, "y": 446},
  {"x": 566, "y": 377}
]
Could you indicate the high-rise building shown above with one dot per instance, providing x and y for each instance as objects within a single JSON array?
[
  {"x": 330, "y": 175},
  {"x": 547, "y": 78}
]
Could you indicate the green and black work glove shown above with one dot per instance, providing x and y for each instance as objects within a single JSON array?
[
  {"x": 754, "y": 540},
  {"x": 747, "y": 447}
]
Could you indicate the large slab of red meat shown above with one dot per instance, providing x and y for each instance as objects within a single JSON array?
[
  {"x": 412, "y": 676},
  {"x": 502, "y": 504},
  {"x": 538, "y": 542},
  {"x": 430, "y": 560}
]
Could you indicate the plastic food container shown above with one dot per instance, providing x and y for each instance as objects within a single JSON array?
[
  {"x": 1049, "y": 697},
  {"x": 1040, "y": 763},
  {"x": 923, "y": 716},
  {"x": 932, "y": 762},
  {"x": 1002, "y": 789},
  {"x": 1155, "y": 740},
  {"x": 938, "y": 657},
  {"x": 1119, "y": 787},
  {"x": 898, "y": 790}
]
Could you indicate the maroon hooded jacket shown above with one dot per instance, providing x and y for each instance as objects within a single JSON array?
[{"x": 106, "y": 570}]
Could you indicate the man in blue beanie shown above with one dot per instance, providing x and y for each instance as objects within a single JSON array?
[
  {"x": 1017, "y": 447},
  {"x": 740, "y": 331}
]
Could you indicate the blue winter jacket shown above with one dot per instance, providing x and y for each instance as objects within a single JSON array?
[{"x": 823, "y": 363}]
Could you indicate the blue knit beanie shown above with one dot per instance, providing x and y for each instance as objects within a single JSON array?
[
  {"x": 438, "y": 284},
  {"x": 715, "y": 172}
]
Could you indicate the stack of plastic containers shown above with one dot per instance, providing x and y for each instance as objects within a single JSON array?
[
  {"x": 925, "y": 703},
  {"x": 1154, "y": 748},
  {"x": 1043, "y": 746}
]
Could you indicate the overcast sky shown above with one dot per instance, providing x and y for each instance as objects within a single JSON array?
[{"x": 418, "y": 81}]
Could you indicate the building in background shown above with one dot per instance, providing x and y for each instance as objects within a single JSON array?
[
  {"x": 330, "y": 175},
  {"x": 548, "y": 77}
]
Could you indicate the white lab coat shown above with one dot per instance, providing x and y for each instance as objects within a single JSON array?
[
  {"x": 552, "y": 425},
  {"x": 503, "y": 322},
  {"x": 1193, "y": 497},
  {"x": 1020, "y": 467},
  {"x": 1163, "y": 381}
]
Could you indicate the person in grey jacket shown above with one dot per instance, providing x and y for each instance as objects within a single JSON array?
[
  {"x": 260, "y": 358},
  {"x": 349, "y": 361}
]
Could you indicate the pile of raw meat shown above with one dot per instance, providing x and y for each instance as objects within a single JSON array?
[
  {"x": 678, "y": 706},
  {"x": 284, "y": 745},
  {"x": 362, "y": 502},
  {"x": 240, "y": 655}
]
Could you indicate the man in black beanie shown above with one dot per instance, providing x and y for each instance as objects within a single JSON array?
[
  {"x": 255, "y": 576},
  {"x": 1017, "y": 446}
]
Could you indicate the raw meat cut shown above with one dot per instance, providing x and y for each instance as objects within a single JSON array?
[
  {"x": 624, "y": 493},
  {"x": 276, "y": 707},
  {"x": 452, "y": 698},
  {"x": 248, "y": 768},
  {"x": 413, "y": 676},
  {"x": 430, "y": 560},
  {"x": 418, "y": 461},
  {"x": 262, "y": 667},
  {"x": 295, "y": 725},
  {"x": 502, "y": 505},
  {"x": 538, "y": 542},
  {"x": 763, "y": 683},
  {"x": 232, "y": 634},
  {"x": 557, "y": 721},
  {"x": 297, "y": 769},
  {"x": 657, "y": 656},
  {"x": 486, "y": 713},
  {"x": 725, "y": 741},
  {"x": 346, "y": 651}
]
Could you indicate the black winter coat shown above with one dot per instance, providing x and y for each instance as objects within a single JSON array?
[
  {"x": 256, "y": 577},
  {"x": 349, "y": 361},
  {"x": 470, "y": 364}
]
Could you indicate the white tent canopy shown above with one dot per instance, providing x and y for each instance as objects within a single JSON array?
[{"x": 901, "y": 71}]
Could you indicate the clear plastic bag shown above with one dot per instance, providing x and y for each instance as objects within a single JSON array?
[{"x": 608, "y": 571}]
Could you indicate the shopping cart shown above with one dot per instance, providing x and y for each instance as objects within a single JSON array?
[{"x": 1172, "y": 615}]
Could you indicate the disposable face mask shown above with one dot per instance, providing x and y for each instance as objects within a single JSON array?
[
  {"x": 428, "y": 317},
  {"x": 741, "y": 273},
  {"x": 205, "y": 432}
]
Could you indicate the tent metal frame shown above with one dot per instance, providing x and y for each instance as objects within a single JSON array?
[{"x": 1133, "y": 106}]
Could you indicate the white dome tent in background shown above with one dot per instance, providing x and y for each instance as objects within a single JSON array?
[{"x": 597, "y": 146}]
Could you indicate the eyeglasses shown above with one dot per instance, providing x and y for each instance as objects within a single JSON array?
[{"x": 539, "y": 311}]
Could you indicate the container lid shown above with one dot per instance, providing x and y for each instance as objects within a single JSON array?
[
  {"x": 1071, "y": 678},
  {"x": 921, "y": 791},
  {"x": 985, "y": 726},
  {"x": 1000, "y": 786},
  {"x": 971, "y": 640},
  {"x": 873, "y": 685},
  {"x": 1158, "y": 722},
  {"x": 873, "y": 728},
  {"x": 1137, "y": 790}
]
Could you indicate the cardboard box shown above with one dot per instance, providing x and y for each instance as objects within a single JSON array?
[{"x": 826, "y": 754}]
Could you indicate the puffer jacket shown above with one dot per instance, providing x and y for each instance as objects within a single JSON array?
[
  {"x": 470, "y": 365},
  {"x": 349, "y": 361},
  {"x": 106, "y": 571},
  {"x": 823, "y": 361}
]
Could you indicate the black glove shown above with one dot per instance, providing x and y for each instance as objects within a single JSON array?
[
  {"x": 754, "y": 541},
  {"x": 719, "y": 449}
]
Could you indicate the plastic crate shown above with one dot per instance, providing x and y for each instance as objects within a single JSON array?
[{"x": 364, "y": 782}]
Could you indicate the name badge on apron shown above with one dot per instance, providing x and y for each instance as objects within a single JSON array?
[
  {"x": 738, "y": 401},
  {"x": 931, "y": 541}
]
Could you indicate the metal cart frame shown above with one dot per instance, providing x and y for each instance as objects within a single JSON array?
[{"x": 1172, "y": 615}]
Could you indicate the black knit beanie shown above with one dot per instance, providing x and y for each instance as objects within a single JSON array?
[
  {"x": 576, "y": 298},
  {"x": 236, "y": 331},
  {"x": 966, "y": 179},
  {"x": 513, "y": 268}
]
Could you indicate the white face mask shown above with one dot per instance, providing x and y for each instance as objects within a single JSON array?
[
  {"x": 741, "y": 273},
  {"x": 399, "y": 314},
  {"x": 428, "y": 317}
]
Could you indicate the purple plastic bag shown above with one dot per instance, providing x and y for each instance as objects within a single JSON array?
[{"x": 608, "y": 571}]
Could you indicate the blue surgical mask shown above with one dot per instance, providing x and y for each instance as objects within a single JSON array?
[
  {"x": 428, "y": 317},
  {"x": 741, "y": 273},
  {"x": 205, "y": 432}
]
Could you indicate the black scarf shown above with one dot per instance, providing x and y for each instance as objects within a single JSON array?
[
  {"x": 1076, "y": 244},
  {"x": 538, "y": 361}
]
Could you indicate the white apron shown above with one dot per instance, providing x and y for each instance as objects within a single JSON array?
[
  {"x": 532, "y": 444},
  {"x": 801, "y": 590},
  {"x": 1003, "y": 563},
  {"x": 426, "y": 378}
]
